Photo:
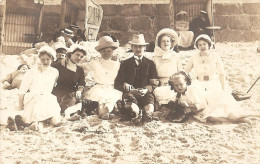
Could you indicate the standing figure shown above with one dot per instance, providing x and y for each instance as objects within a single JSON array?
[
  {"x": 104, "y": 72},
  {"x": 134, "y": 74}
]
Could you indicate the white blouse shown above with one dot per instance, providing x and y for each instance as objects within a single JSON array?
[
  {"x": 105, "y": 71},
  {"x": 37, "y": 81}
]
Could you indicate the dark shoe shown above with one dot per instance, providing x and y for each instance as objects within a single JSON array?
[
  {"x": 20, "y": 123},
  {"x": 147, "y": 117},
  {"x": 238, "y": 96},
  {"x": 11, "y": 124}
]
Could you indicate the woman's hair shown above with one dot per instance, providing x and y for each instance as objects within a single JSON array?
[
  {"x": 20, "y": 66},
  {"x": 161, "y": 36},
  {"x": 204, "y": 39},
  {"x": 56, "y": 35},
  {"x": 46, "y": 53},
  {"x": 176, "y": 76},
  {"x": 77, "y": 49}
]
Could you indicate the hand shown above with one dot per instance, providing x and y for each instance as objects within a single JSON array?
[
  {"x": 136, "y": 92},
  {"x": 7, "y": 84},
  {"x": 128, "y": 87},
  {"x": 184, "y": 103},
  {"x": 78, "y": 94}
]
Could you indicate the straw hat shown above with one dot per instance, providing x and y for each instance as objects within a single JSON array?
[
  {"x": 105, "y": 42},
  {"x": 49, "y": 50},
  {"x": 203, "y": 12},
  {"x": 138, "y": 39},
  {"x": 205, "y": 37},
  {"x": 67, "y": 32},
  {"x": 73, "y": 27},
  {"x": 170, "y": 32},
  {"x": 182, "y": 13}
]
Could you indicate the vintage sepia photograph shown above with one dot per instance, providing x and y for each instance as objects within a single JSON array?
[{"x": 129, "y": 81}]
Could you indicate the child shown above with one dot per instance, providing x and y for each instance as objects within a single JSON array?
[
  {"x": 13, "y": 80},
  {"x": 188, "y": 99},
  {"x": 193, "y": 99}
]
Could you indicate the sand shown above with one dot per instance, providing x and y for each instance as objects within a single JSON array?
[{"x": 92, "y": 140}]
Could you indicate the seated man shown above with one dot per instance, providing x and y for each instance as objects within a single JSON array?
[
  {"x": 198, "y": 25},
  {"x": 134, "y": 74},
  {"x": 182, "y": 26}
]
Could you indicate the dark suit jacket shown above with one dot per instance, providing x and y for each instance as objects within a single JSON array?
[{"x": 127, "y": 73}]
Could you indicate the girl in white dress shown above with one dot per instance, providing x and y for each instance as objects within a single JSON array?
[
  {"x": 104, "y": 71},
  {"x": 195, "y": 99},
  {"x": 35, "y": 99},
  {"x": 167, "y": 63}
]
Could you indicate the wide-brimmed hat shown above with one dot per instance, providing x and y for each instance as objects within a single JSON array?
[
  {"x": 173, "y": 34},
  {"x": 73, "y": 27},
  {"x": 105, "y": 42},
  {"x": 67, "y": 32},
  {"x": 49, "y": 50},
  {"x": 182, "y": 13},
  {"x": 138, "y": 39},
  {"x": 204, "y": 36}
]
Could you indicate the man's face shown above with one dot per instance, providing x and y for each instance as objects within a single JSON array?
[{"x": 138, "y": 50}]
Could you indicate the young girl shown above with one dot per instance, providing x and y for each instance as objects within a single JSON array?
[
  {"x": 36, "y": 103},
  {"x": 194, "y": 99},
  {"x": 13, "y": 80}
]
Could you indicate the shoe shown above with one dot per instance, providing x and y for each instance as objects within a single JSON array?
[
  {"x": 147, "y": 117},
  {"x": 20, "y": 123},
  {"x": 239, "y": 96},
  {"x": 11, "y": 124}
]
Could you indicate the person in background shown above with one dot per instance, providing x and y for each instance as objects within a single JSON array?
[
  {"x": 182, "y": 27},
  {"x": 198, "y": 25},
  {"x": 14, "y": 79},
  {"x": 134, "y": 75},
  {"x": 75, "y": 30},
  {"x": 68, "y": 34},
  {"x": 61, "y": 51}
]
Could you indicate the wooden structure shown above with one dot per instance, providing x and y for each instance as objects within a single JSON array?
[{"x": 24, "y": 21}]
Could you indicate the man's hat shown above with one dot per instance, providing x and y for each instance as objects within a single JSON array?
[
  {"x": 138, "y": 39},
  {"x": 182, "y": 13},
  {"x": 67, "y": 32}
]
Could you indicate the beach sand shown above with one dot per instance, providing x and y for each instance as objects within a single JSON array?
[{"x": 92, "y": 140}]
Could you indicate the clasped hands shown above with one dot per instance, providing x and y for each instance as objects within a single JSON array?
[{"x": 137, "y": 92}]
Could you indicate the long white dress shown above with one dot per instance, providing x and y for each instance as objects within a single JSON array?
[
  {"x": 167, "y": 63},
  {"x": 39, "y": 103},
  {"x": 220, "y": 102},
  {"x": 104, "y": 73}
]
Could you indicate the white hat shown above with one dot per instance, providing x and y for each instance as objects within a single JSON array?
[
  {"x": 67, "y": 32},
  {"x": 170, "y": 32},
  {"x": 138, "y": 39},
  {"x": 182, "y": 13},
  {"x": 73, "y": 47},
  {"x": 105, "y": 42},
  {"x": 49, "y": 50},
  {"x": 205, "y": 36}
]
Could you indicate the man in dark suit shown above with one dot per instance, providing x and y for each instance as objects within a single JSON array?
[{"x": 134, "y": 74}]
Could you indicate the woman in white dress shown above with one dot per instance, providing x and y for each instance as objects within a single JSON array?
[
  {"x": 104, "y": 71},
  {"x": 35, "y": 98},
  {"x": 167, "y": 63}
]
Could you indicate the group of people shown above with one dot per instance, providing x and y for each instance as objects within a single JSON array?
[{"x": 135, "y": 89}]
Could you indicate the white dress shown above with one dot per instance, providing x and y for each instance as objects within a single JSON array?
[
  {"x": 207, "y": 70},
  {"x": 167, "y": 63},
  {"x": 104, "y": 73},
  {"x": 39, "y": 103}
]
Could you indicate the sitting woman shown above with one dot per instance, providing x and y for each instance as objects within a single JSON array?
[
  {"x": 167, "y": 63},
  {"x": 13, "y": 80},
  {"x": 71, "y": 76},
  {"x": 35, "y": 98},
  {"x": 208, "y": 67},
  {"x": 193, "y": 99},
  {"x": 104, "y": 72}
]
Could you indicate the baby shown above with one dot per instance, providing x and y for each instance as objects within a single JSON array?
[{"x": 13, "y": 80}]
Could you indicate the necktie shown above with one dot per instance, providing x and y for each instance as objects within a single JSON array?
[{"x": 139, "y": 61}]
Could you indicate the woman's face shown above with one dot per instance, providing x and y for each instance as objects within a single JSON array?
[
  {"x": 23, "y": 68},
  {"x": 203, "y": 46},
  {"x": 46, "y": 60},
  {"x": 76, "y": 57},
  {"x": 180, "y": 85},
  {"x": 106, "y": 53},
  {"x": 165, "y": 43}
]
